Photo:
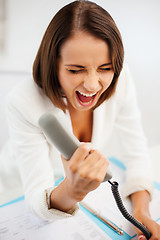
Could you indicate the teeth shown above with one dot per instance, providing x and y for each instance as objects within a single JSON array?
[{"x": 87, "y": 94}]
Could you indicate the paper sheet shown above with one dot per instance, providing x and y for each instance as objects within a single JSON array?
[{"x": 17, "y": 223}]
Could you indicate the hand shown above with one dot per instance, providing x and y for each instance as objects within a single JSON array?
[
  {"x": 152, "y": 226},
  {"x": 84, "y": 171}
]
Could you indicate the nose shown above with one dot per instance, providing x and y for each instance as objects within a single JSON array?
[{"x": 92, "y": 82}]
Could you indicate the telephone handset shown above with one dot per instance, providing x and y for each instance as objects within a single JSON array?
[{"x": 67, "y": 144}]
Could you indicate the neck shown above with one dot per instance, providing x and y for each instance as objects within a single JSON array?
[
  {"x": 75, "y": 114},
  {"x": 82, "y": 122}
]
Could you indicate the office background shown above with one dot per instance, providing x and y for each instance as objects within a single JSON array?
[{"x": 23, "y": 23}]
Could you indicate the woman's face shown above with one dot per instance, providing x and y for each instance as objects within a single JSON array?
[{"x": 85, "y": 70}]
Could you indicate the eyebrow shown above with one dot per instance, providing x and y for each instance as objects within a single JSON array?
[
  {"x": 105, "y": 64},
  {"x": 82, "y": 67},
  {"x": 74, "y": 65}
]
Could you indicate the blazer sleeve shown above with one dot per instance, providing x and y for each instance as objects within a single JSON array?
[
  {"x": 133, "y": 144},
  {"x": 32, "y": 155}
]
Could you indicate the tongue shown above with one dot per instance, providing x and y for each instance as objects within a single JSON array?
[{"x": 84, "y": 98}]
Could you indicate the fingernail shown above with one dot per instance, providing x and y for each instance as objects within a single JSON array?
[{"x": 141, "y": 237}]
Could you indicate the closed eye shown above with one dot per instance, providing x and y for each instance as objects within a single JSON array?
[
  {"x": 104, "y": 69},
  {"x": 75, "y": 71}
]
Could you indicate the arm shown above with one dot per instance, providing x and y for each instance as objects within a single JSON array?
[
  {"x": 141, "y": 201},
  {"x": 31, "y": 151}
]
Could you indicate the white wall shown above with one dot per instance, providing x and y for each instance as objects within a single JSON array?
[{"x": 139, "y": 23}]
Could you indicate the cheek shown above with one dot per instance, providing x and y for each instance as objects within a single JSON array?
[{"x": 68, "y": 83}]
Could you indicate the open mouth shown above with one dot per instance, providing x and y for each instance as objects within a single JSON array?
[{"x": 85, "y": 99}]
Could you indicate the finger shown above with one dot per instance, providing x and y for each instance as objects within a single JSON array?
[
  {"x": 81, "y": 152},
  {"x": 94, "y": 167},
  {"x": 95, "y": 157},
  {"x": 84, "y": 147},
  {"x": 97, "y": 162},
  {"x": 92, "y": 176},
  {"x": 99, "y": 170},
  {"x": 78, "y": 156}
]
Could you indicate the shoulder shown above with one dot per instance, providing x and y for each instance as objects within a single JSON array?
[{"x": 28, "y": 100}]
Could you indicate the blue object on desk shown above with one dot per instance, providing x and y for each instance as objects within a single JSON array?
[{"x": 13, "y": 201}]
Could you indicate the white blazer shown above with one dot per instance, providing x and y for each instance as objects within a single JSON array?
[{"x": 28, "y": 159}]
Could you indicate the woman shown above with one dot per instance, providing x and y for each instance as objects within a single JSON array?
[{"x": 78, "y": 76}]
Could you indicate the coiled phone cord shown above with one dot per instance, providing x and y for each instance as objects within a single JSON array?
[{"x": 114, "y": 188}]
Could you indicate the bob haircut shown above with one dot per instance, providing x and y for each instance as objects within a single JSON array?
[{"x": 76, "y": 16}]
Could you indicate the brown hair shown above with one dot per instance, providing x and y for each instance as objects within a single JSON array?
[{"x": 76, "y": 16}]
